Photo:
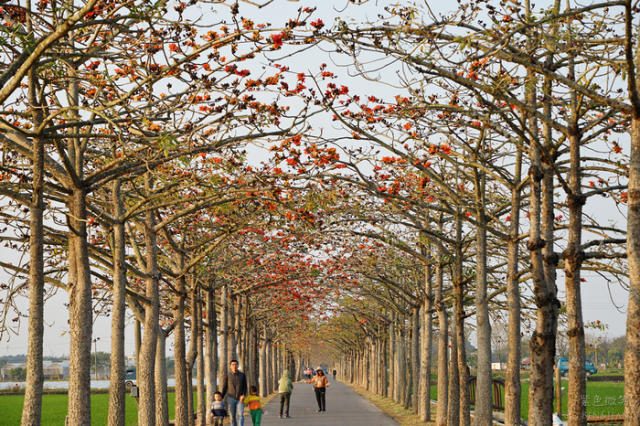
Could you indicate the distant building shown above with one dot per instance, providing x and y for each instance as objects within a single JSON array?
[
  {"x": 54, "y": 370},
  {"x": 498, "y": 365},
  {"x": 4, "y": 371}
]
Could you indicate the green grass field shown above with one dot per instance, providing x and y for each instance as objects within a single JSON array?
[
  {"x": 54, "y": 409},
  {"x": 603, "y": 398}
]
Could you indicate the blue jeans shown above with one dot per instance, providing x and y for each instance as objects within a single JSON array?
[{"x": 236, "y": 411}]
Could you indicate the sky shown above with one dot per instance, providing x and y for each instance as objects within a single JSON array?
[{"x": 603, "y": 302}]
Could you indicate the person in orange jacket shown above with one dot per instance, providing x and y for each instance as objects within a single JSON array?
[{"x": 320, "y": 385}]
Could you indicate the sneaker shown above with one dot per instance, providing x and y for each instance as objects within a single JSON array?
[
  {"x": 280, "y": 415},
  {"x": 287, "y": 416}
]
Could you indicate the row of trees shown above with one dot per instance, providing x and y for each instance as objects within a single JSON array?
[{"x": 450, "y": 200}]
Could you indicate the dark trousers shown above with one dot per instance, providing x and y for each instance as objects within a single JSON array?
[
  {"x": 320, "y": 397},
  {"x": 285, "y": 398}
]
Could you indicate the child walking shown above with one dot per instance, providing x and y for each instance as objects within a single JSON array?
[
  {"x": 218, "y": 409},
  {"x": 255, "y": 405}
]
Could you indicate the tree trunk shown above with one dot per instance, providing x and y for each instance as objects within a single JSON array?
[
  {"x": 543, "y": 264},
  {"x": 145, "y": 370},
  {"x": 32, "y": 407},
  {"x": 573, "y": 256},
  {"x": 392, "y": 358},
  {"x": 424, "y": 399},
  {"x": 632, "y": 350},
  {"x": 415, "y": 357},
  {"x": 193, "y": 350},
  {"x": 513, "y": 390},
  {"x": 453, "y": 415},
  {"x": 116, "y": 384},
  {"x": 234, "y": 323},
  {"x": 162, "y": 404},
  {"x": 263, "y": 364},
  {"x": 224, "y": 335},
  {"x": 137, "y": 337},
  {"x": 460, "y": 341},
  {"x": 211, "y": 349},
  {"x": 179, "y": 349},
  {"x": 443, "y": 343},
  {"x": 483, "y": 405},
  {"x": 269, "y": 370},
  {"x": 80, "y": 311},
  {"x": 201, "y": 410},
  {"x": 273, "y": 356}
]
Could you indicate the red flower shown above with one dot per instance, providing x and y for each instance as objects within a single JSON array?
[
  {"x": 317, "y": 24},
  {"x": 276, "y": 39}
]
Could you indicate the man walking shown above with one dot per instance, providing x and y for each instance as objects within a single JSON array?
[{"x": 235, "y": 389}]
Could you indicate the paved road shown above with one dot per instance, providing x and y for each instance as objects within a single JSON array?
[{"x": 344, "y": 408}]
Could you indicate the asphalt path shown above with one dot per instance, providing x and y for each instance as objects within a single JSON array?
[{"x": 344, "y": 408}]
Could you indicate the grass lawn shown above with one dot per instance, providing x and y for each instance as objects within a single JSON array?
[
  {"x": 603, "y": 398},
  {"x": 54, "y": 409}
]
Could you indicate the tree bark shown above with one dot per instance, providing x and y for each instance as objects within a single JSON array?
[
  {"x": 80, "y": 311},
  {"x": 415, "y": 357},
  {"x": 543, "y": 264},
  {"x": 32, "y": 407},
  {"x": 453, "y": 415},
  {"x": 211, "y": 348},
  {"x": 224, "y": 335},
  {"x": 201, "y": 409},
  {"x": 483, "y": 405},
  {"x": 146, "y": 366},
  {"x": 117, "y": 362},
  {"x": 443, "y": 343},
  {"x": 193, "y": 349},
  {"x": 263, "y": 364},
  {"x": 424, "y": 400},
  {"x": 460, "y": 341},
  {"x": 162, "y": 404},
  {"x": 576, "y": 407},
  {"x": 179, "y": 349},
  {"x": 392, "y": 358},
  {"x": 632, "y": 350},
  {"x": 513, "y": 389}
]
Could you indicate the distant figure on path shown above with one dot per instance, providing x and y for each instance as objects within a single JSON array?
[
  {"x": 320, "y": 385},
  {"x": 235, "y": 389},
  {"x": 218, "y": 409},
  {"x": 285, "y": 387},
  {"x": 255, "y": 405},
  {"x": 334, "y": 374}
]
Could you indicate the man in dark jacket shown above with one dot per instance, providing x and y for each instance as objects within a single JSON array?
[{"x": 235, "y": 389}]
